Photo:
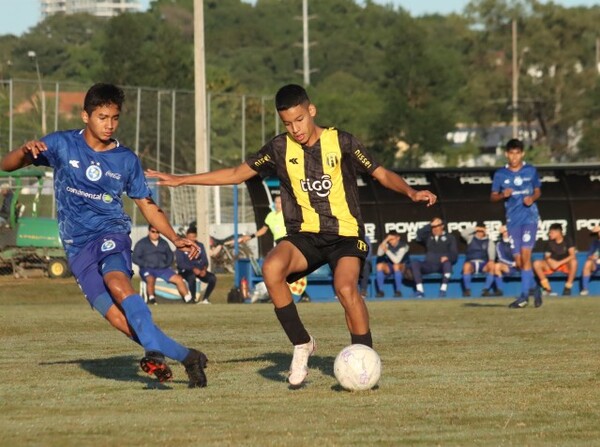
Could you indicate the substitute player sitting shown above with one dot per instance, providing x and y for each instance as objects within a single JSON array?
[
  {"x": 559, "y": 256},
  {"x": 317, "y": 168},
  {"x": 505, "y": 263},
  {"x": 479, "y": 257},
  {"x": 392, "y": 255},
  {"x": 592, "y": 263}
]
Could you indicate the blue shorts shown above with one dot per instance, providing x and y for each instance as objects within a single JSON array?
[
  {"x": 478, "y": 265},
  {"x": 91, "y": 263},
  {"x": 165, "y": 274},
  {"x": 522, "y": 237}
]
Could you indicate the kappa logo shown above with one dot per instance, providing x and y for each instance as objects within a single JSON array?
[
  {"x": 108, "y": 245},
  {"x": 74, "y": 163},
  {"x": 93, "y": 172},
  {"x": 293, "y": 161}
]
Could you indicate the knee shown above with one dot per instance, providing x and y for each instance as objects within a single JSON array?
[
  {"x": 345, "y": 291},
  {"x": 273, "y": 269}
]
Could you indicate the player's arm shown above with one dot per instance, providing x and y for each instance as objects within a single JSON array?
[
  {"x": 569, "y": 258},
  {"x": 393, "y": 181},
  {"x": 22, "y": 156},
  {"x": 157, "y": 218},
  {"x": 261, "y": 232},
  {"x": 226, "y": 176},
  {"x": 498, "y": 196}
]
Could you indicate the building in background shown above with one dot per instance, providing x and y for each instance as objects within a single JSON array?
[{"x": 101, "y": 8}]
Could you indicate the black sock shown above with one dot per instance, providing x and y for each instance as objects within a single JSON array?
[
  {"x": 364, "y": 339},
  {"x": 293, "y": 327}
]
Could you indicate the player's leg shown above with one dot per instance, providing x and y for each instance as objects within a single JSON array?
[
  {"x": 190, "y": 279},
  {"x": 542, "y": 269},
  {"x": 467, "y": 274},
  {"x": 589, "y": 268},
  {"x": 572, "y": 271},
  {"x": 417, "y": 271},
  {"x": 446, "y": 270},
  {"x": 398, "y": 277},
  {"x": 182, "y": 287},
  {"x": 345, "y": 276},
  {"x": 488, "y": 269},
  {"x": 283, "y": 260},
  {"x": 383, "y": 269},
  {"x": 210, "y": 279},
  {"x": 150, "y": 286},
  {"x": 500, "y": 269}
]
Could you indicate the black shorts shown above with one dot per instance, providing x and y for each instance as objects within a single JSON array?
[{"x": 321, "y": 249}]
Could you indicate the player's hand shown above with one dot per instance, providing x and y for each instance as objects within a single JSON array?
[
  {"x": 187, "y": 246},
  {"x": 444, "y": 259},
  {"x": 34, "y": 148},
  {"x": 163, "y": 178},
  {"x": 528, "y": 200},
  {"x": 424, "y": 196},
  {"x": 507, "y": 193}
]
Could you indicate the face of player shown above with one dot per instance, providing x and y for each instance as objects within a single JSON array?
[
  {"x": 153, "y": 234},
  {"x": 515, "y": 158},
  {"x": 554, "y": 235},
  {"x": 277, "y": 204},
  {"x": 101, "y": 124},
  {"x": 300, "y": 124},
  {"x": 192, "y": 236},
  {"x": 394, "y": 240}
]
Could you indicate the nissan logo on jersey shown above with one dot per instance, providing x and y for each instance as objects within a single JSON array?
[{"x": 321, "y": 186}]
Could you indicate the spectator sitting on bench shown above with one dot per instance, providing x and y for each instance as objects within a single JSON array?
[
  {"x": 190, "y": 269},
  {"x": 155, "y": 259},
  {"x": 7, "y": 196},
  {"x": 505, "y": 262},
  {"x": 392, "y": 255},
  {"x": 479, "y": 256},
  {"x": 559, "y": 256},
  {"x": 441, "y": 255},
  {"x": 591, "y": 263}
]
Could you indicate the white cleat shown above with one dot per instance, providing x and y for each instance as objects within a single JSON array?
[
  {"x": 299, "y": 366},
  {"x": 584, "y": 292}
]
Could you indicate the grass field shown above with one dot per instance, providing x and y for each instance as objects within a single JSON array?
[{"x": 455, "y": 372}]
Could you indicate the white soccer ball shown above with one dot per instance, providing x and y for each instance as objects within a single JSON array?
[{"x": 357, "y": 368}]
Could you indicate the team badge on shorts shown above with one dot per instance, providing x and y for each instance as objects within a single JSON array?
[
  {"x": 108, "y": 245},
  {"x": 526, "y": 237},
  {"x": 361, "y": 245},
  {"x": 93, "y": 172}
]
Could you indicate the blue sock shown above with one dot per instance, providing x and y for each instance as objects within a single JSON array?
[
  {"x": 398, "y": 280},
  {"x": 527, "y": 281},
  {"x": 467, "y": 280},
  {"x": 149, "y": 336},
  {"x": 380, "y": 278},
  {"x": 489, "y": 280},
  {"x": 499, "y": 282},
  {"x": 585, "y": 282}
]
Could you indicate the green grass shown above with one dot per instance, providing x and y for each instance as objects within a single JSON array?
[{"x": 455, "y": 372}]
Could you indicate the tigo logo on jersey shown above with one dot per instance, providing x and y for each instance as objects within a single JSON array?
[
  {"x": 93, "y": 173},
  {"x": 321, "y": 187},
  {"x": 108, "y": 245}
]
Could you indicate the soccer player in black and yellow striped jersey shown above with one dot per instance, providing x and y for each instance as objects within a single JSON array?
[{"x": 317, "y": 169}]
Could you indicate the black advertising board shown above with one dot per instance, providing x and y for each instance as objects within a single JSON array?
[{"x": 570, "y": 196}]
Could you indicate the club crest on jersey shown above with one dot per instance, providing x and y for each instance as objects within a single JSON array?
[
  {"x": 332, "y": 159},
  {"x": 93, "y": 172},
  {"x": 322, "y": 187},
  {"x": 518, "y": 181},
  {"x": 108, "y": 245}
]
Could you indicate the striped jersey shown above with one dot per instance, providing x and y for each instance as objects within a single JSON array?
[{"x": 319, "y": 192}]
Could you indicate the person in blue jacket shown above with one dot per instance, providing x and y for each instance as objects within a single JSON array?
[{"x": 190, "y": 269}]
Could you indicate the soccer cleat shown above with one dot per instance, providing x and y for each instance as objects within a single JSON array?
[
  {"x": 567, "y": 291},
  {"x": 498, "y": 293},
  {"x": 419, "y": 295},
  {"x": 380, "y": 294},
  {"x": 442, "y": 294},
  {"x": 486, "y": 292},
  {"x": 467, "y": 292},
  {"x": 154, "y": 363},
  {"x": 584, "y": 292},
  {"x": 194, "y": 363},
  {"x": 397, "y": 294},
  {"x": 519, "y": 303},
  {"x": 546, "y": 292},
  {"x": 205, "y": 301},
  {"x": 151, "y": 300},
  {"x": 537, "y": 297},
  {"x": 299, "y": 365}
]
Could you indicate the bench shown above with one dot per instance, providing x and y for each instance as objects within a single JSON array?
[{"x": 166, "y": 290}]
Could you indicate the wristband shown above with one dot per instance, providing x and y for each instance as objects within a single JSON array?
[{"x": 253, "y": 235}]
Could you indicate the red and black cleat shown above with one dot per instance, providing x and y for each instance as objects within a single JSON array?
[{"x": 154, "y": 363}]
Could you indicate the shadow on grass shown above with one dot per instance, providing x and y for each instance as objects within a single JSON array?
[
  {"x": 280, "y": 364},
  {"x": 123, "y": 368},
  {"x": 483, "y": 305}
]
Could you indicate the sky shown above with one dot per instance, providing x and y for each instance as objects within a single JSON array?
[{"x": 17, "y": 16}]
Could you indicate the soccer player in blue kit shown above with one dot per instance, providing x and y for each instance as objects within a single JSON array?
[
  {"x": 519, "y": 186},
  {"x": 91, "y": 172}
]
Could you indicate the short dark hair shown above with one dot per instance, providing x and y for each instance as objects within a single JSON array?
[
  {"x": 101, "y": 95},
  {"x": 191, "y": 230},
  {"x": 556, "y": 226},
  {"x": 514, "y": 143},
  {"x": 289, "y": 96}
]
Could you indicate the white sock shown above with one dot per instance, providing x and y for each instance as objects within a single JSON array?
[
  {"x": 443, "y": 287},
  {"x": 187, "y": 298},
  {"x": 420, "y": 288}
]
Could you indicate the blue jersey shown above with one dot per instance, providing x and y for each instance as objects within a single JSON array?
[
  {"x": 594, "y": 248},
  {"x": 523, "y": 182},
  {"x": 88, "y": 186}
]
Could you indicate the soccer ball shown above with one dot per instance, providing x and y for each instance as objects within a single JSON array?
[{"x": 357, "y": 368}]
